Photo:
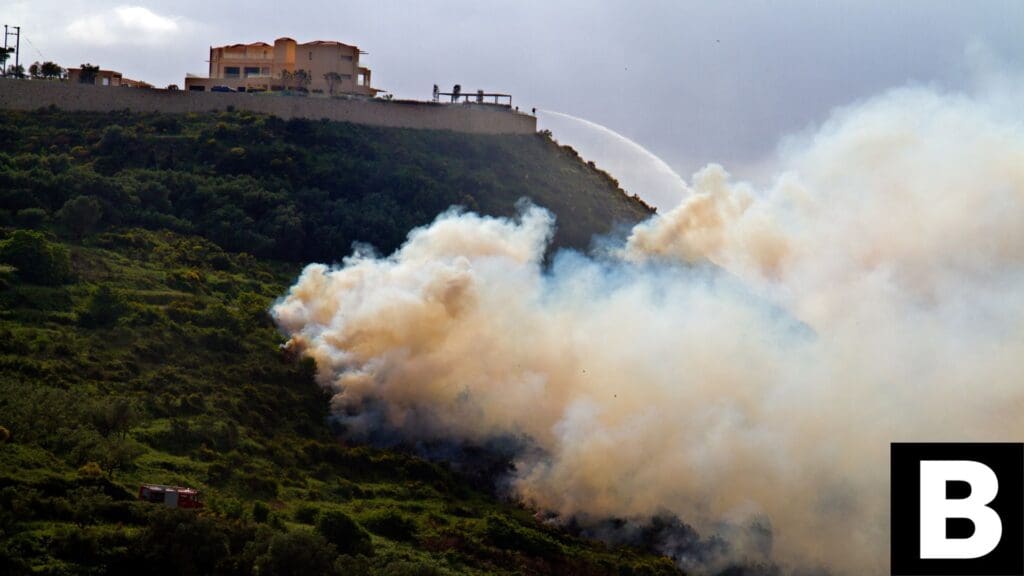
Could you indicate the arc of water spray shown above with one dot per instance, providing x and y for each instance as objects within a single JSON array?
[{"x": 655, "y": 162}]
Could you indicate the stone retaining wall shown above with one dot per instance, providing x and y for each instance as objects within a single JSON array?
[{"x": 469, "y": 118}]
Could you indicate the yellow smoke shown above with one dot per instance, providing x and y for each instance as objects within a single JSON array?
[{"x": 749, "y": 354}]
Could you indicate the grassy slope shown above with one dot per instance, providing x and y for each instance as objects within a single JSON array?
[{"x": 175, "y": 376}]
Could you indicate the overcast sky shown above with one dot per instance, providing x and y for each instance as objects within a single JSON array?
[{"x": 692, "y": 81}]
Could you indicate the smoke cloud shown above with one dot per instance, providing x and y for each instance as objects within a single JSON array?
[{"x": 741, "y": 362}]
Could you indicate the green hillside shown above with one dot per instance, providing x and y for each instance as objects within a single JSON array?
[
  {"x": 293, "y": 190},
  {"x": 138, "y": 257}
]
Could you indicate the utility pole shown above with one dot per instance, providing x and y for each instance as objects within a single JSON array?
[{"x": 17, "y": 45}]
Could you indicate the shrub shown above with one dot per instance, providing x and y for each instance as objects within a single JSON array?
[
  {"x": 181, "y": 542},
  {"x": 342, "y": 531},
  {"x": 188, "y": 279},
  {"x": 119, "y": 454},
  {"x": 229, "y": 507},
  {"x": 345, "y": 489},
  {"x": 11, "y": 561},
  {"x": 218, "y": 473},
  {"x": 276, "y": 521},
  {"x": 262, "y": 485},
  {"x": 306, "y": 514},
  {"x": 88, "y": 547},
  {"x": 260, "y": 512},
  {"x": 509, "y": 535},
  {"x": 103, "y": 308},
  {"x": 298, "y": 553},
  {"x": 88, "y": 504},
  {"x": 90, "y": 470},
  {"x": 412, "y": 568},
  {"x": 36, "y": 259},
  {"x": 80, "y": 214},
  {"x": 31, "y": 217},
  {"x": 391, "y": 524},
  {"x": 112, "y": 416}
]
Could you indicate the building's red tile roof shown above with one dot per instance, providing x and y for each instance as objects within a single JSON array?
[
  {"x": 327, "y": 43},
  {"x": 265, "y": 45},
  {"x": 254, "y": 44}
]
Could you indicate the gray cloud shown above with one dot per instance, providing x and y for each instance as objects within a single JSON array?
[{"x": 125, "y": 26}]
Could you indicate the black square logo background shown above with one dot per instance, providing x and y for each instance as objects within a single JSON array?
[{"x": 1006, "y": 460}]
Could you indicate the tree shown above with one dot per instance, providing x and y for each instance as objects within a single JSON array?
[
  {"x": 51, "y": 70},
  {"x": 302, "y": 79},
  {"x": 35, "y": 70},
  {"x": 18, "y": 71},
  {"x": 260, "y": 512},
  {"x": 113, "y": 417},
  {"x": 103, "y": 309},
  {"x": 80, "y": 215},
  {"x": 342, "y": 531},
  {"x": 36, "y": 259},
  {"x": 332, "y": 78},
  {"x": 181, "y": 542},
  {"x": 5, "y": 54},
  {"x": 88, "y": 503},
  {"x": 88, "y": 73},
  {"x": 297, "y": 553},
  {"x": 119, "y": 455}
]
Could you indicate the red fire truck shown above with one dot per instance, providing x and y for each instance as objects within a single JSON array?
[{"x": 170, "y": 496}]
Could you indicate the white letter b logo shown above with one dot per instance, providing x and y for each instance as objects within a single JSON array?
[
  {"x": 957, "y": 508},
  {"x": 936, "y": 508}
]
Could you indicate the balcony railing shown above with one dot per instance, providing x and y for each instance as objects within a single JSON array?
[{"x": 478, "y": 97}]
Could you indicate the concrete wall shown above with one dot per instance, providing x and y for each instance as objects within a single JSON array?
[{"x": 470, "y": 118}]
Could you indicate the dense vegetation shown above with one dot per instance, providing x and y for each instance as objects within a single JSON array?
[
  {"x": 138, "y": 257},
  {"x": 293, "y": 190}
]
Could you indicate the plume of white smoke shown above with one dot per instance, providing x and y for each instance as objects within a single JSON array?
[{"x": 748, "y": 356}]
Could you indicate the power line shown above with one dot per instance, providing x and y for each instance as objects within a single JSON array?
[{"x": 41, "y": 56}]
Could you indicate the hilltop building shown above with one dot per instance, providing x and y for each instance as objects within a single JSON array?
[
  {"x": 106, "y": 78},
  {"x": 101, "y": 78},
  {"x": 333, "y": 68}
]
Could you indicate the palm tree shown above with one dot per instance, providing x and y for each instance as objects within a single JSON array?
[
  {"x": 332, "y": 79},
  {"x": 5, "y": 53}
]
